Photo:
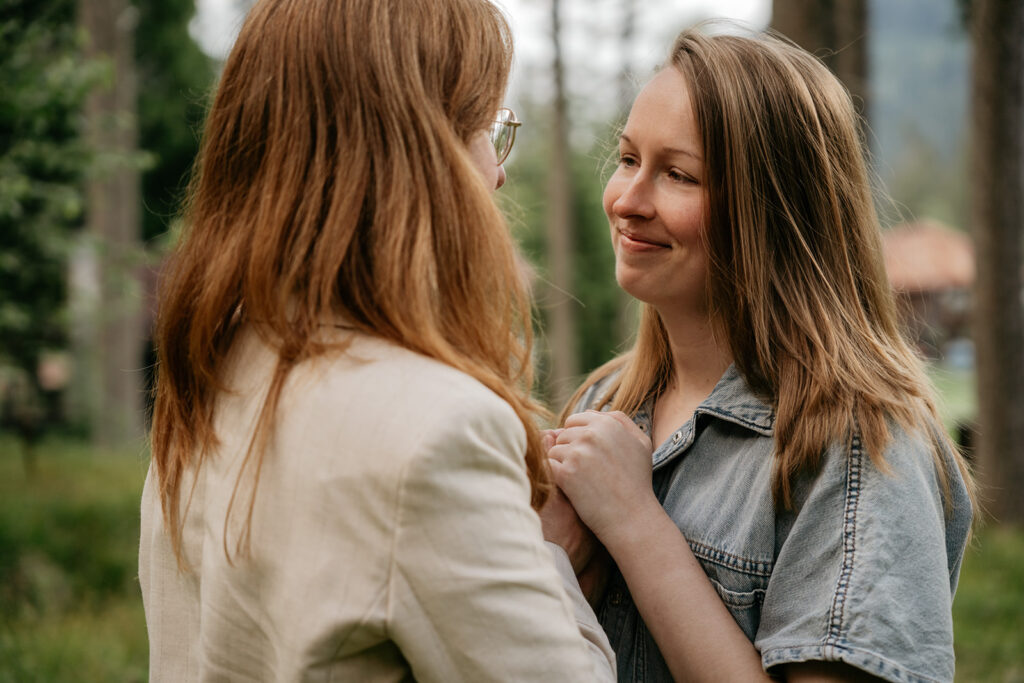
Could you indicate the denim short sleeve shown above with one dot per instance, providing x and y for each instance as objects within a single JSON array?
[{"x": 866, "y": 568}]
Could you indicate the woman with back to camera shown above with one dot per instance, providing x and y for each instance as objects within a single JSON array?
[
  {"x": 808, "y": 514},
  {"x": 344, "y": 447}
]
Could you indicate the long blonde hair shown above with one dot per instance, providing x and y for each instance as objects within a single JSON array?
[
  {"x": 334, "y": 180},
  {"x": 796, "y": 282}
]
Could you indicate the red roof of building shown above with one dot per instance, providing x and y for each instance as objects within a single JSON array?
[{"x": 928, "y": 256}]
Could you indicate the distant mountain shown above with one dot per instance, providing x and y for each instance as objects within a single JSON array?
[{"x": 919, "y": 66}]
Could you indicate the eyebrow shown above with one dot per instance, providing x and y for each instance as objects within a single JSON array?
[{"x": 669, "y": 150}]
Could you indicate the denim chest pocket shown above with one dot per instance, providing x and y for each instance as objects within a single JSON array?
[
  {"x": 731, "y": 534},
  {"x": 741, "y": 591},
  {"x": 740, "y": 582}
]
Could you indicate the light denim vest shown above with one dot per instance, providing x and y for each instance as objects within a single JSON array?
[{"x": 863, "y": 571}]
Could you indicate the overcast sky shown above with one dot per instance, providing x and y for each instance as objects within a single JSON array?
[
  {"x": 592, "y": 46},
  {"x": 589, "y": 23}
]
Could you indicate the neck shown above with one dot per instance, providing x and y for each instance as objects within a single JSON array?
[
  {"x": 699, "y": 357},
  {"x": 699, "y": 354}
]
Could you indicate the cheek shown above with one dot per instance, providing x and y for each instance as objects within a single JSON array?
[
  {"x": 688, "y": 222},
  {"x": 482, "y": 153}
]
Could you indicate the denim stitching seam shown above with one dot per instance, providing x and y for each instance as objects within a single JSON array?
[
  {"x": 640, "y": 663},
  {"x": 726, "y": 559},
  {"x": 738, "y": 419},
  {"x": 853, "y": 474}
]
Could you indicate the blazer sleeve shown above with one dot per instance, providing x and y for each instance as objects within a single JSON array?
[{"x": 474, "y": 594}]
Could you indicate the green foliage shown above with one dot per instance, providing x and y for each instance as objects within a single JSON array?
[
  {"x": 988, "y": 613},
  {"x": 69, "y": 599},
  {"x": 42, "y": 161},
  {"x": 957, "y": 393},
  {"x": 107, "y": 644},
  {"x": 174, "y": 81},
  {"x": 70, "y": 608},
  {"x": 597, "y": 296},
  {"x": 68, "y": 531},
  {"x": 599, "y": 325}
]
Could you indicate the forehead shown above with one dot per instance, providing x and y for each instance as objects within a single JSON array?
[{"x": 664, "y": 111}]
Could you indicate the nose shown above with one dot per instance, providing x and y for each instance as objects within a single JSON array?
[
  {"x": 633, "y": 197},
  {"x": 501, "y": 177}
]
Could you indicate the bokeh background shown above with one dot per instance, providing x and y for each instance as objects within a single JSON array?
[{"x": 101, "y": 104}]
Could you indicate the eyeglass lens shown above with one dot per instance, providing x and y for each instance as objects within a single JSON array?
[{"x": 503, "y": 133}]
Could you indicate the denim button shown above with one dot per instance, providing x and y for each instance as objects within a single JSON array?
[{"x": 676, "y": 437}]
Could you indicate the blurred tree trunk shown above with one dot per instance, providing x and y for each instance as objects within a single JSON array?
[
  {"x": 834, "y": 30},
  {"x": 561, "y": 332},
  {"x": 112, "y": 342},
  {"x": 997, "y": 31},
  {"x": 627, "y": 316},
  {"x": 627, "y": 36}
]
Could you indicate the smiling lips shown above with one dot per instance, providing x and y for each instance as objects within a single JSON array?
[{"x": 632, "y": 241}]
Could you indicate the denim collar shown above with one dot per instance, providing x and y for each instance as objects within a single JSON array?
[{"x": 731, "y": 400}]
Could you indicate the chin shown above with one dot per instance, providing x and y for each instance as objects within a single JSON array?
[{"x": 634, "y": 286}]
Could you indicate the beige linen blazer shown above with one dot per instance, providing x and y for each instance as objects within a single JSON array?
[{"x": 392, "y": 537}]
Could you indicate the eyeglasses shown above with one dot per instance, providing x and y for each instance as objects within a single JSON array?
[{"x": 503, "y": 133}]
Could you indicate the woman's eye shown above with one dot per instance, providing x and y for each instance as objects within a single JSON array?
[
  {"x": 626, "y": 160},
  {"x": 680, "y": 177}
]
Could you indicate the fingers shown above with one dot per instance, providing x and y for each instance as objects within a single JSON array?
[
  {"x": 548, "y": 437},
  {"x": 592, "y": 424},
  {"x": 622, "y": 418},
  {"x": 589, "y": 417},
  {"x": 557, "y": 473},
  {"x": 561, "y": 474},
  {"x": 582, "y": 419},
  {"x": 571, "y": 435}
]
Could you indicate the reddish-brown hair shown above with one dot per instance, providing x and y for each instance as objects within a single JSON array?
[{"x": 334, "y": 180}]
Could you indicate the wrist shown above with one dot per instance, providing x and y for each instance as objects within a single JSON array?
[{"x": 631, "y": 530}]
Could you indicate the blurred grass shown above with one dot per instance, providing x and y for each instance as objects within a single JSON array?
[
  {"x": 70, "y": 608},
  {"x": 957, "y": 398},
  {"x": 988, "y": 612}
]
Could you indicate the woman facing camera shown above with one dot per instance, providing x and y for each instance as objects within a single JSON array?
[
  {"x": 346, "y": 464},
  {"x": 765, "y": 467}
]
